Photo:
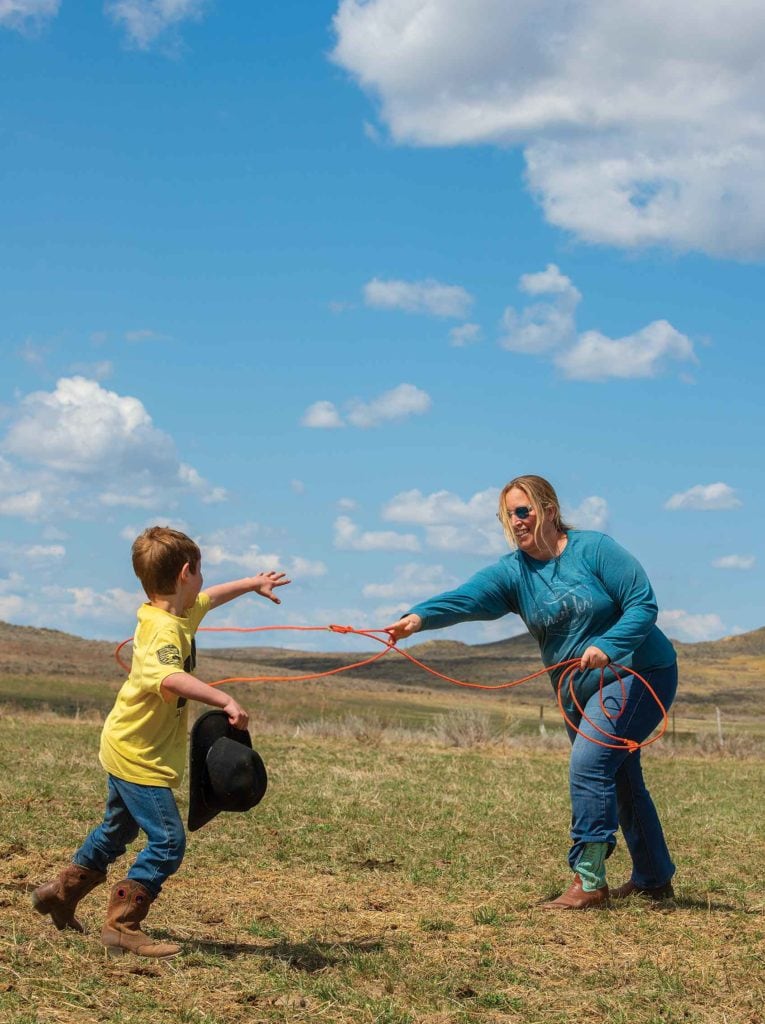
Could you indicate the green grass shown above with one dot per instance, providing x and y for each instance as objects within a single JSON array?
[{"x": 388, "y": 882}]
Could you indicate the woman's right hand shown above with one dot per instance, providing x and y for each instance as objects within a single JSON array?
[{"x": 404, "y": 627}]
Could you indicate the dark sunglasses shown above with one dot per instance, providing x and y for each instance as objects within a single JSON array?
[{"x": 522, "y": 512}]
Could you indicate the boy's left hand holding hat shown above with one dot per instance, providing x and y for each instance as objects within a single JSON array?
[{"x": 225, "y": 773}]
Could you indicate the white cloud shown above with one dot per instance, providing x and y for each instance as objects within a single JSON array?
[
  {"x": 705, "y": 497},
  {"x": 440, "y": 507},
  {"x": 474, "y": 539},
  {"x": 549, "y": 329},
  {"x": 348, "y": 537},
  {"x": 643, "y": 354},
  {"x": 146, "y": 21},
  {"x": 24, "y": 504},
  {"x": 297, "y": 486},
  {"x": 347, "y": 504},
  {"x": 542, "y": 326},
  {"x": 27, "y": 15},
  {"x": 113, "y": 603},
  {"x": 323, "y": 415},
  {"x": 396, "y": 404},
  {"x": 451, "y": 524},
  {"x": 734, "y": 562},
  {"x": 11, "y": 605},
  {"x": 304, "y": 567},
  {"x": 44, "y": 552},
  {"x": 83, "y": 445},
  {"x": 411, "y": 581},
  {"x": 190, "y": 479},
  {"x": 431, "y": 297},
  {"x": 642, "y": 122},
  {"x": 682, "y": 625},
  {"x": 465, "y": 334},
  {"x": 590, "y": 514}
]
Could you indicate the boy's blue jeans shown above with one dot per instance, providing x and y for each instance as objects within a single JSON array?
[
  {"x": 131, "y": 808},
  {"x": 607, "y": 787}
]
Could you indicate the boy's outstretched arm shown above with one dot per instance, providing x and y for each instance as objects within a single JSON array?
[
  {"x": 263, "y": 583},
  {"x": 182, "y": 684}
]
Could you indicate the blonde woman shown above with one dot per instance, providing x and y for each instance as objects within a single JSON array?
[{"x": 581, "y": 596}]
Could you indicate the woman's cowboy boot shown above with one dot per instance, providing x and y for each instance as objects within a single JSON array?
[
  {"x": 129, "y": 904},
  {"x": 60, "y": 897},
  {"x": 578, "y": 898}
]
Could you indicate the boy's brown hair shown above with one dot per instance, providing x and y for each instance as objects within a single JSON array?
[{"x": 159, "y": 554}]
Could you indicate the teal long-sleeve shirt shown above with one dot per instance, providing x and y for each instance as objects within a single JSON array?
[{"x": 593, "y": 593}]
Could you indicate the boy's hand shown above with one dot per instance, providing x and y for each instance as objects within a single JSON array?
[
  {"x": 237, "y": 716},
  {"x": 265, "y": 582}
]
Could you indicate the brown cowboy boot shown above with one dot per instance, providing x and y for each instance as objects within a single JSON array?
[
  {"x": 129, "y": 904},
  {"x": 655, "y": 893},
  {"x": 578, "y": 898},
  {"x": 60, "y": 897}
]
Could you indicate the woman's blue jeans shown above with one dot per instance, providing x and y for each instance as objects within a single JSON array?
[
  {"x": 607, "y": 787},
  {"x": 131, "y": 808}
]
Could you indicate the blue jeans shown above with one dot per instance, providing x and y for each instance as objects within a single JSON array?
[
  {"x": 131, "y": 808},
  {"x": 607, "y": 787}
]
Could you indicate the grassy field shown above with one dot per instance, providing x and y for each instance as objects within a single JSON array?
[{"x": 388, "y": 878}]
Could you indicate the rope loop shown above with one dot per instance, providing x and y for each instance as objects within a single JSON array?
[{"x": 571, "y": 669}]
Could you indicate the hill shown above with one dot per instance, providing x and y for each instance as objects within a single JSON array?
[{"x": 70, "y": 673}]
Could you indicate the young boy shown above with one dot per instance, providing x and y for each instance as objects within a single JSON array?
[{"x": 143, "y": 743}]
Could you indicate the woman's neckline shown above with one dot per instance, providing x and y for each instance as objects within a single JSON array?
[{"x": 553, "y": 558}]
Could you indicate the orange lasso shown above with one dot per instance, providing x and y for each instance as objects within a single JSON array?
[{"x": 384, "y": 637}]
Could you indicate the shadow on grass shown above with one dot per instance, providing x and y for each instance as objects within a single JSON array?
[{"x": 311, "y": 957}]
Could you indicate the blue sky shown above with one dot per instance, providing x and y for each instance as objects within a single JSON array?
[{"x": 313, "y": 280}]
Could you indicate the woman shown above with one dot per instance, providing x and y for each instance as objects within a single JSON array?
[{"x": 581, "y": 596}]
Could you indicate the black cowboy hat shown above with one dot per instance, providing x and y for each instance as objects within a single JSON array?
[{"x": 225, "y": 773}]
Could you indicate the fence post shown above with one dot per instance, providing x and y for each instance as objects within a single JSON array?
[
  {"x": 720, "y": 738},
  {"x": 542, "y": 730}
]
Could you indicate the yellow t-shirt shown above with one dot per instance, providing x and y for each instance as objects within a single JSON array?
[{"x": 144, "y": 736}]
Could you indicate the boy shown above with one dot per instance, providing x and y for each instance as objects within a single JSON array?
[{"x": 143, "y": 743}]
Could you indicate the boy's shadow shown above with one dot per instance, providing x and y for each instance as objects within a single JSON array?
[{"x": 303, "y": 956}]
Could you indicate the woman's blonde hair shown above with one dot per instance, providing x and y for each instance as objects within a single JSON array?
[{"x": 542, "y": 496}]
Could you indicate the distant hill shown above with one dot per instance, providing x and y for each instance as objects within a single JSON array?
[{"x": 729, "y": 673}]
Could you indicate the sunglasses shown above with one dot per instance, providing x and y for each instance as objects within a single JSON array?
[{"x": 521, "y": 512}]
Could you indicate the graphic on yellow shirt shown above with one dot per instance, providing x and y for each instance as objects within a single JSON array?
[{"x": 145, "y": 736}]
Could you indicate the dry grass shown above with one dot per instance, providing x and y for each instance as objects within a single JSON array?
[{"x": 389, "y": 878}]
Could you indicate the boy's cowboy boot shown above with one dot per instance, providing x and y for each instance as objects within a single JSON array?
[
  {"x": 129, "y": 904},
  {"x": 60, "y": 897},
  {"x": 654, "y": 893}
]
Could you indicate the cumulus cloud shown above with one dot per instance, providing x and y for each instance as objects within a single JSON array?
[
  {"x": 641, "y": 123},
  {"x": 431, "y": 297},
  {"x": 549, "y": 329},
  {"x": 465, "y": 334},
  {"x": 705, "y": 497},
  {"x": 542, "y": 326},
  {"x": 27, "y": 15},
  {"x": 590, "y": 514},
  {"x": 451, "y": 524},
  {"x": 682, "y": 625},
  {"x": 349, "y": 537},
  {"x": 743, "y": 562},
  {"x": 643, "y": 354},
  {"x": 323, "y": 415},
  {"x": 81, "y": 444},
  {"x": 397, "y": 404},
  {"x": 148, "y": 21},
  {"x": 411, "y": 581},
  {"x": 113, "y": 603}
]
